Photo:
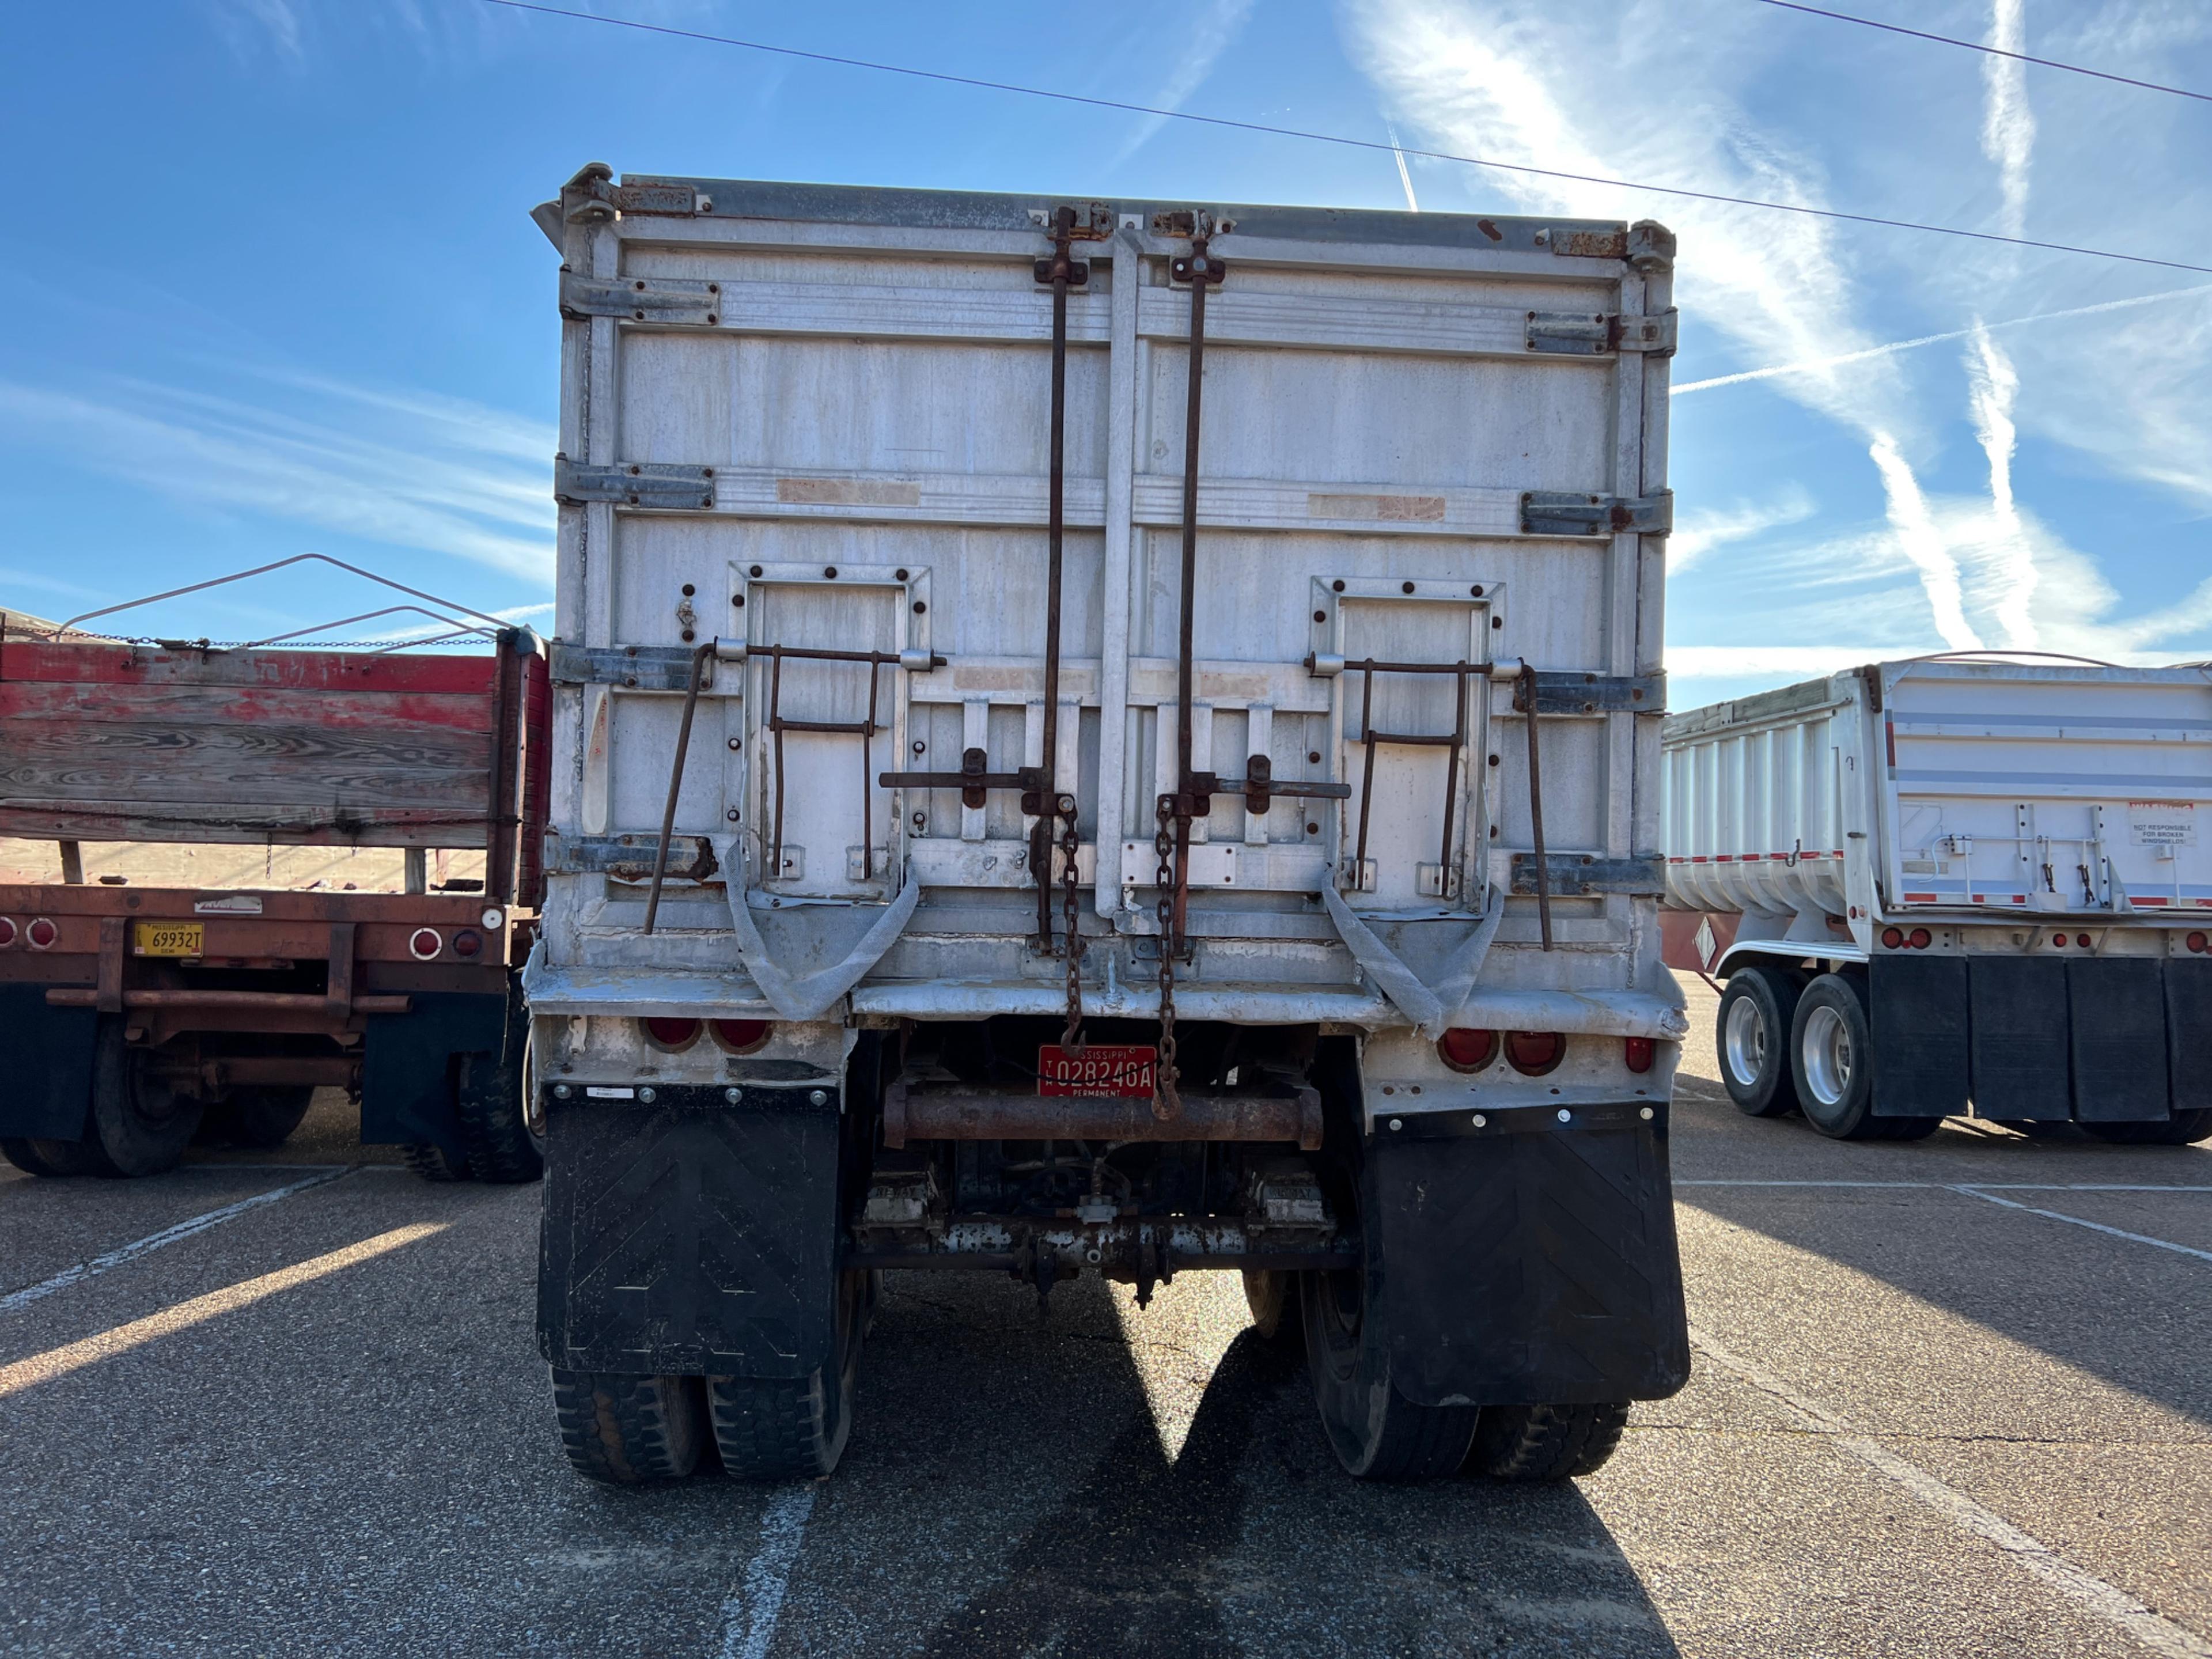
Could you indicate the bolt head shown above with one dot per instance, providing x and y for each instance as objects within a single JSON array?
[
  {"x": 1480, "y": 1121},
  {"x": 1565, "y": 1116},
  {"x": 733, "y": 1095},
  {"x": 1645, "y": 1114},
  {"x": 1397, "y": 1122},
  {"x": 562, "y": 1092},
  {"x": 817, "y": 1098},
  {"x": 648, "y": 1095}
]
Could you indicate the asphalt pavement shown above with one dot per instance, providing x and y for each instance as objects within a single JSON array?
[{"x": 1950, "y": 1398}]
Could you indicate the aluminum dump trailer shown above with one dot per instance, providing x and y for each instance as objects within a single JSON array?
[
  {"x": 135, "y": 1017},
  {"x": 1952, "y": 884},
  {"x": 1011, "y": 816}
]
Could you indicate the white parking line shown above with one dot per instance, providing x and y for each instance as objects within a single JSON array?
[
  {"x": 2095, "y": 1227},
  {"x": 749, "y": 1615},
  {"x": 199, "y": 1224},
  {"x": 1976, "y": 1186},
  {"x": 2106, "y": 1601}
]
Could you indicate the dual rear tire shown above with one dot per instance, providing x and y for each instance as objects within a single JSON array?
[{"x": 1786, "y": 1045}]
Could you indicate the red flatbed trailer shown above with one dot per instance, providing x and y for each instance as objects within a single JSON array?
[{"x": 130, "y": 1014}]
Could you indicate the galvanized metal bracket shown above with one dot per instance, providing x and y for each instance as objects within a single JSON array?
[
  {"x": 1595, "y": 334},
  {"x": 1566, "y": 513},
  {"x": 593, "y": 197},
  {"x": 1565, "y": 691},
  {"x": 634, "y": 484},
  {"x": 628, "y": 858},
  {"x": 636, "y": 667},
  {"x": 1094, "y": 221},
  {"x": 1578, "y": 875},
  {"x": 675, "y": 300}
]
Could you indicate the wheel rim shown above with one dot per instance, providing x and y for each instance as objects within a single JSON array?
[
  {"x": 1745, "y": 1039},
  {"x": 1827, "y": 1056},
  {"x": 533, "y": 1108}
]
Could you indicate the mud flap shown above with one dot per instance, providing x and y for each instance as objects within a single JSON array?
[
  {"x": 2189, "y": 1033},
  {"x": 1917, "y": 1015},
  {"x": 46, "y": 1054},
  {"x": 2118, "y": 1008},
  {"x": 406, "y": 1077},
  {"x": 1529, "y": 1260},
  {"x": 2020, "y": 1044},
  {"x": 687, "y": 1235}
]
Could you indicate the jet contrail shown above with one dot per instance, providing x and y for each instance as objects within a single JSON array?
[
  {"x": 1404, "y": 177},
  {"x": 1811, "y": 364}
]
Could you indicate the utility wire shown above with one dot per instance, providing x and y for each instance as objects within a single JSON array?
[
  {"x": 1994, "y": 51},
  {"x": 1338, "y": 138}
]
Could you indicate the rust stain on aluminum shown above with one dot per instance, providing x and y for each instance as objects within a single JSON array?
[
  {"x": 848, "y": 492},
  {"x": 1590, "y": 244},
  {"x": 1386, "y": 509}
]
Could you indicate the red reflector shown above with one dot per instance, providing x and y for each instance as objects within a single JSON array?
[
  {"x": 466, "y": 944},
  {"x": 41, "y": 933},
  {"x": 671, "y": 1033},
  {"x": 1535, "y": 1052},
  {"x": 426, "y": 943},
  {"x": 2058, "y": 938},
  {"x": 8, "y": 934},
  {"x": 1920, "y": 939},
  {"x": 1891, "y": 938},
  {"x": 740, "y": 1035},
  {"x": 1467, "y": 1050},
  {"x": 2196, "y": 940},
  {"x": 2081, "y": 939},
  {"x": 1640, "y": 1051}
]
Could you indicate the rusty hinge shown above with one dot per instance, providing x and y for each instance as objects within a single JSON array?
[
  {"x": 1094, "y": 221},
  {"x": 636, "y": 667},
  {"x": 1593, "y": 334},
  {"x": 1575, "y": 875},
  {"x": 1568, "y": 691},
  {"x": 634, "y": 484},
  {"x": 592, "y": 197},
  {"x": 1566, "y": 513},
  {"x": 676, "y": 300}
]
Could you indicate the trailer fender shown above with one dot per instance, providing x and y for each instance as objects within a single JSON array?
[
  {"x": 1531, "y": 1259},
  {"x": 686, "y": 1233},
  {"x": 46, "y": 1055}
]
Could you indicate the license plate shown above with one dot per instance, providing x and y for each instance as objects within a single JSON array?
[
  {"x": 1103, "y": 1069},
  {"x": 169, "y": 939}
]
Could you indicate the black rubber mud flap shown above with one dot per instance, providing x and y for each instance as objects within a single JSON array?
[
  {"x": 2019, "y": 1034},
  {"x": 2189, "y": 1033},
  {"x": 1529, "y": 1260},
  {"x": 1917, "y": 1013},
  {"x": 46, "y": 1054},
  {"x": 2118, "y": 1006},
  {"x": 406, "y": 1073},
  {"x": 687, "y": 1235}
]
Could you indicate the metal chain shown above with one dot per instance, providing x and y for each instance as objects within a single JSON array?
[
  {"x": 1170, "y": 1098},
  {"x": 1071, "y": 1040}
]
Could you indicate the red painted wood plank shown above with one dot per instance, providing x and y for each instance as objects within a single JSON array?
[
  {"x": 352, "y": 710},
  {"x": 78, "y": 663}
]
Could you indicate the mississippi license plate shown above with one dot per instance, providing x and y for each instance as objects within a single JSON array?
[
  {"x": 1103, "y": 1069},
  {"x": 169, "y": 939}
]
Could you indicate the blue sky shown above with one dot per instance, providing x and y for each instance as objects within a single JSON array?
[{"x": 273, "y": 291}]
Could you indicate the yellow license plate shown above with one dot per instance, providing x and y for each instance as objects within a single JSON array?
[{"x": 169, "y": 938}]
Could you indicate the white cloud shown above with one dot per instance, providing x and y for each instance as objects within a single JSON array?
[
  {"x": 1994, "y": 385},
  {"x": 1699, "y": 533},
  {"x": 1219, "y": 22},
  {"x": 2008, "y": 124}
]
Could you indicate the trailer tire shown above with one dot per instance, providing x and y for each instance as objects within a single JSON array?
[
  {"x": 434, "y": 1164},
  {"x": 2182, "y": 1130},
  {"x": 1532, "y": 1445},
  {"x": 1377, "y": 1433},
  {"x": 260, "y": 1117},
  {"x": 1832, "y": 1059},
  {"x": 1273, "y": 1297},
  {"x": 622, "y": 1429},
  {"x": 777, "y": 1428},
  {"x": 142, "y": 1124},
  {"x": 57, "y": 1159},
  {"x": 1751, "y": 1038},
  {"x": 492, "y": 1099}
]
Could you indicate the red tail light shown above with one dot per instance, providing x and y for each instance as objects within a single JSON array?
[
  {"x": 2059, "y": 939},
  {"x": 741, "y": 1037},
  {"x": 41, "y": 933},
  {"x": 1921, "y": 938},
  {"x": 670, "y": 1034},
  {"x": 1532, "y": 1054},
  {"x": 1466, "y": 1051},
  {"x": 2081, "y": 939},
  {"x": 2197, "y": 941},
  {"x": 1891, "y": 938},
  {"x": 1639, "y": 1053},
  {"x": 425, "y": 943},
  {"x": 8, "y": 935},
  {"x": 466, "y": 944}
]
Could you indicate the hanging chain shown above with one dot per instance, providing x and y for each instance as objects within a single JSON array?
[
  {"x": 1071, "y": 1039},
  {"x": 1170, "y": 1099}
]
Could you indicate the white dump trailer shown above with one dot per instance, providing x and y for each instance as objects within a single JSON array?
[
  {"x": 1953, "y": 882},
  {"x": 1010, "y": 815}
]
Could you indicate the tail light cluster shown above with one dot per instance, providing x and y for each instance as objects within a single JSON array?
[
  {"x": 737, "y": 1037},
  {"x": 2199, "y": 944},
  {"x": 2081, "y": 940},
  {"x": 1532, "y": 1054},
  {"x": 1896, "y": 938}
]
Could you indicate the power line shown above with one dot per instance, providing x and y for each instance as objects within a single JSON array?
[
  {"x": 1994, "y": 51},
  {"x": 943, "y": 78}
]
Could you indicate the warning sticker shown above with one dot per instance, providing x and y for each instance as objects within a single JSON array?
[{"x": 2162, "y": 823}]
